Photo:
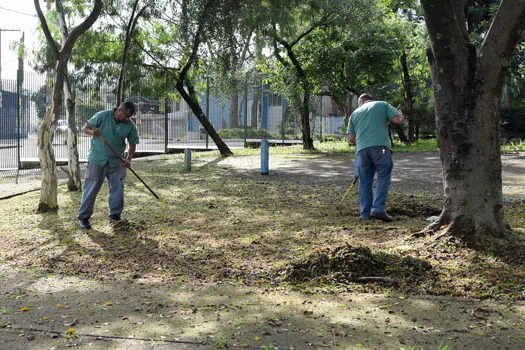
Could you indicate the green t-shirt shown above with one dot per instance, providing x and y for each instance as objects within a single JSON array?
[
  {"x": 369, "y": 123},
  {"x": 115, "y": 134}
]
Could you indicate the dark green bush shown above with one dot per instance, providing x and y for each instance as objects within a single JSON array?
[
  {"x": 513, "y": 122},
  {"x": 251, "y": 132}
]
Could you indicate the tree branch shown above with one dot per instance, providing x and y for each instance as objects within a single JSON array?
[
  {"x": 62, "y": 20},
  {"x": 196, "y": 41},
  {"x": 45, "y": 28},
  {"x": 453, "y": 39},
  {"x": 308, "y": 31},
  {"x": 82, "y": 27},
  {"x": 504, "y": 32}
]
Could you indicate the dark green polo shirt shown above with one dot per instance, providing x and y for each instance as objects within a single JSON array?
[{"x": 115, "y": 134}]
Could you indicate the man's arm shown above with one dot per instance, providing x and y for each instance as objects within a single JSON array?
[
  {"x": 89, "y": 130},
  {"x": 398, "y": 119},
  {"x": 131, "y": 153},
  {"x": 351, "y": 139}
]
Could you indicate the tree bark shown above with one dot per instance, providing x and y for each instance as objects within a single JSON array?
[
  {"x": 409, "y": 98},
  {"x": 304, "y": 105},
  {"x": 308, "y": 142},
  {"x": 74, "y": 183},
  {"x": 467, "y": 91},
  {"x": 74, "y": 179},
  {"x": 234, "y": 104},
  {"x": 255, "y": 110},
  {"x": 191, "y": 99},
  {"x": 130, "y": 27},
  {"x": 48, "y": 192}
]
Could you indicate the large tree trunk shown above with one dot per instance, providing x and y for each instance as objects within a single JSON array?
[
  {"x": 467, "y": 91},
  {"x": 74, "y": 182},
  {"x": 467, "y": 121}
]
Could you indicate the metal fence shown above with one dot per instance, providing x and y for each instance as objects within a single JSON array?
[{"x": 164, "y": 121}]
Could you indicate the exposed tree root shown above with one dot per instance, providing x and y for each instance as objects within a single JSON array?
[
  {"x": 71, "y": 185},
  {"x": 430, "y": 230},
  {"x": 442, "y": 230},
  {"x": 44, "y": 208}
]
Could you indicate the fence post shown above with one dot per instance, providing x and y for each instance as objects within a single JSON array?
[
  {"x": 187, "y": 159},
  {"x": 245, "y": 110},
  {"x": 207, "y": 104},
  {"x": 19, "y": 97},
  {"x": 321, "y": 118},
  {"x": 166, "y": 124},
  {"x": 283, "y": 119},
  {"x": 265, "y": 145}
]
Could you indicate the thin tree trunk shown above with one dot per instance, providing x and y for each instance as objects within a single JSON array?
[
  {"x": 74, "y": 182},
  {"x": 308, "y": 142},
  {"x": 507, "y": 96},
  {"x": 46, "y": 132},
  {"x": 400, "y": 132},
  {"x": 409, "y": 98},
  {"x": 48, "y": 192},
  {"x": 130, "y": 27},
  {"x": 191, "y": 99},
  {"x": 255, "y": 105},
  {"x": 234, "y": 104}
]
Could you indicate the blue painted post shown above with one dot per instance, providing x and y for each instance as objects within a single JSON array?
[
  {"x": 187, "y": 159},
  {"x": 265, "y": 145}
]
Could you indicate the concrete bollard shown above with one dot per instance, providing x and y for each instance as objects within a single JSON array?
[
  {"x": 265, "y": 145},
  {"x": 187, "y": 159}
]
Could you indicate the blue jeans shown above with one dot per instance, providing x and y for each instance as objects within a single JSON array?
[
  {"x": 369, "y": 161},
  {"x": 95, "y": 175}
]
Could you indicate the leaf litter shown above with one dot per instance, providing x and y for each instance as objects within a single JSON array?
[{"x": 272, "y": 234}]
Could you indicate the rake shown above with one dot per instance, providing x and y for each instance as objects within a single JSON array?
[{"x": 349, "y": 188}]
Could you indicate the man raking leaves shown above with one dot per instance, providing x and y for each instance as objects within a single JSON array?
[{"x": 110, "y": 129}]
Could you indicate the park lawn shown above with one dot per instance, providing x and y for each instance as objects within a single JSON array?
[{"x": 223, "y": 226}]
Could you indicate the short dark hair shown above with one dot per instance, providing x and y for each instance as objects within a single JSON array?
[
  {"x": 129, "y": 106},
  {"x": 366, "y": 97}
]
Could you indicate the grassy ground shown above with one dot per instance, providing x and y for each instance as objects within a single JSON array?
[
  {"x": 264, "y": 233},
  {"x": 255, "y": 231}
]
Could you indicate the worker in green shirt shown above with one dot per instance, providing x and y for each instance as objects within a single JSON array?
[
  {"x": 115, "y": 126},
  {"x": 368, "y": 131}
]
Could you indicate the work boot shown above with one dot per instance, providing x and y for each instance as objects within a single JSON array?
[
  {"x": 381, "y": 216},
  {"x": 114, "y": 218},
  {"x": 84, "y": 223}
]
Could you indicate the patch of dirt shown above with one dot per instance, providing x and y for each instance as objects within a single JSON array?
[
  {"x": 45, "y": 311},
  {"x": 413, "y": 173}
]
